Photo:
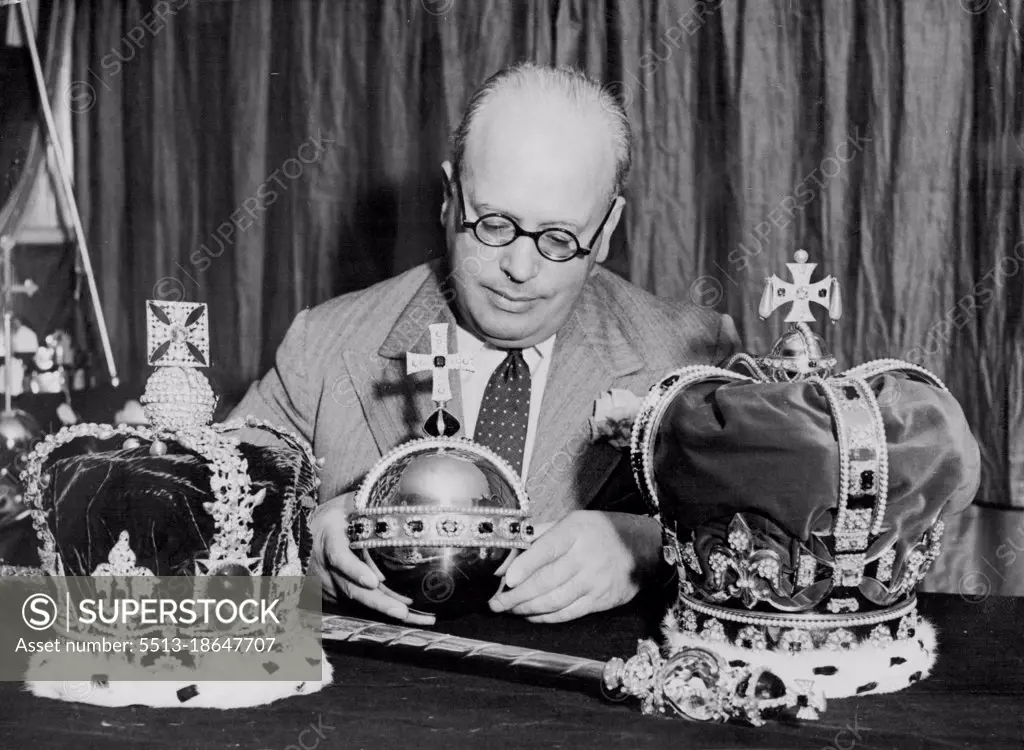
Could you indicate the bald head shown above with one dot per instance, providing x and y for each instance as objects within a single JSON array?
[{"x": 529, "y": 107}]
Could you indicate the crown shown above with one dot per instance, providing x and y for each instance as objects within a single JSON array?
[
  {"x": 176, "y": 497},
  {"x": 439, "y": 515},
  {"x": 802, "y": 507}
]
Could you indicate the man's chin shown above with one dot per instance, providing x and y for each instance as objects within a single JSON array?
[{"x": 511, "y": 331}]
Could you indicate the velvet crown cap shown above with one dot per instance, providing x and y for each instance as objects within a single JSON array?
[{"x": 801, "y": 507}]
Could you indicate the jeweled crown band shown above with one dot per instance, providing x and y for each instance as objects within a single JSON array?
[{"x": 808, "y": 621}]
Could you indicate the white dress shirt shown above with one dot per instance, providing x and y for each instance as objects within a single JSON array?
[{"x": 485, "y": 359}]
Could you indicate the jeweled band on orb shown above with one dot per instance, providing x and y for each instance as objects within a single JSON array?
[
  {"x": 415, "y": 528},
  {"x": 434, "y": 510}
]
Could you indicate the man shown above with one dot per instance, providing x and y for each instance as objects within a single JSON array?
[{"x": 531, "y": 199}]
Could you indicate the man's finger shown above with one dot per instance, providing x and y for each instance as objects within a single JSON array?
[
  {"x": 539, "y": 529},
  {"x": 545, "y": 550},
  {"x": 556, "y": 599},
  {"x": 579, "y": 608},
  {"x": 544, "y": 581},
  {"x": 395, "y": 595},
  {"x": 381, "y": 602},
  {"x": 339, "y": 558}
]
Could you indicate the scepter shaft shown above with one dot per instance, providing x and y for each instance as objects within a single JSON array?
[{"x": 415, "y": 641}]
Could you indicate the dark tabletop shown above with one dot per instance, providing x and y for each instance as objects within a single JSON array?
[{"x": 974, "y": 699}]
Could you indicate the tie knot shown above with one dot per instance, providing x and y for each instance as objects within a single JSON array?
[{"x": 514, "y": 365}]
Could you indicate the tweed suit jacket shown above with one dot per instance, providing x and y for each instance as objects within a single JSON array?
[{"x": 340, "y": 380}]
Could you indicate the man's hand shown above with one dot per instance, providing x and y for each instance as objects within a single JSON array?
[
  {"x": 342, "y": 574},
  {"x": 589, "y": 561}
]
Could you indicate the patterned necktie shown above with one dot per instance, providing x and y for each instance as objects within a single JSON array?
[{"x": 505, "y": 410}]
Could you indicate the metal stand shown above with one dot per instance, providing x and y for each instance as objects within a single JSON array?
[
  {"x": 64, "y": 173},
  {"x": 17, "y": 428}
]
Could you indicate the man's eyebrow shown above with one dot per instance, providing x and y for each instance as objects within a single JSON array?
[{"x": 483, "y": 207}]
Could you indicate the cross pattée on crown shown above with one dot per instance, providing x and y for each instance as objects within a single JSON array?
[
  {"x": 440, "y": 363},
  {"x": 178, "y": 334},
  {"x": 801, "y": 293}
]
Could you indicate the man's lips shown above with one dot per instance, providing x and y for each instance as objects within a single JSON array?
[{"x": 511, "y": 297}]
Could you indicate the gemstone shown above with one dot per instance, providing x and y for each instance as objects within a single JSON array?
[
  {"x": 486, "y": 527},
  {"x": 439, "y": 361},
  {"x": 179, "y": 334},
  {"x": 450, "y": 527},
  {"x": 232, "y": 569}
]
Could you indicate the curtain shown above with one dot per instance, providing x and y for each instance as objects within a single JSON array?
[
  {"x": 21, "y": 138},
  {"x": 266, "y": 155}
]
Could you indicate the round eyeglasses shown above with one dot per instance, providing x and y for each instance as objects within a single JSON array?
[{"x": 555, "y": 244}]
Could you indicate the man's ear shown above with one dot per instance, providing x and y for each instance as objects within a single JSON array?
[
  {"x": 609, "y": 229},
  {"x": 446, "y": 183}
]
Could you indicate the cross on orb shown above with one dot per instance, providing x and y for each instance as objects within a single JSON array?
[{"x": 439, "y": 361}]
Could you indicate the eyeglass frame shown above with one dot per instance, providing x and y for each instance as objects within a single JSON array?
[{"x": 581, "y": 251}]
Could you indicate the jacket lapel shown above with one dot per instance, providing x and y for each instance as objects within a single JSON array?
[
  {"x": 394, "y": 403},
  {"x": 591, "y": 354}
]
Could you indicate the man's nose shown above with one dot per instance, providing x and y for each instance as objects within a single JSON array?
[{"x": 521, "y": 260}]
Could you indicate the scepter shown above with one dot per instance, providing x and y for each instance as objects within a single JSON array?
[{"x": 694, "y": 683}]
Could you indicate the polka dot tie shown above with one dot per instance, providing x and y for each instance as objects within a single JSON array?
[{"x": 505, "y": 410}]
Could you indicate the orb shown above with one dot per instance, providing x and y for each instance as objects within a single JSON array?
[{"x": 437, "y": 518}]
